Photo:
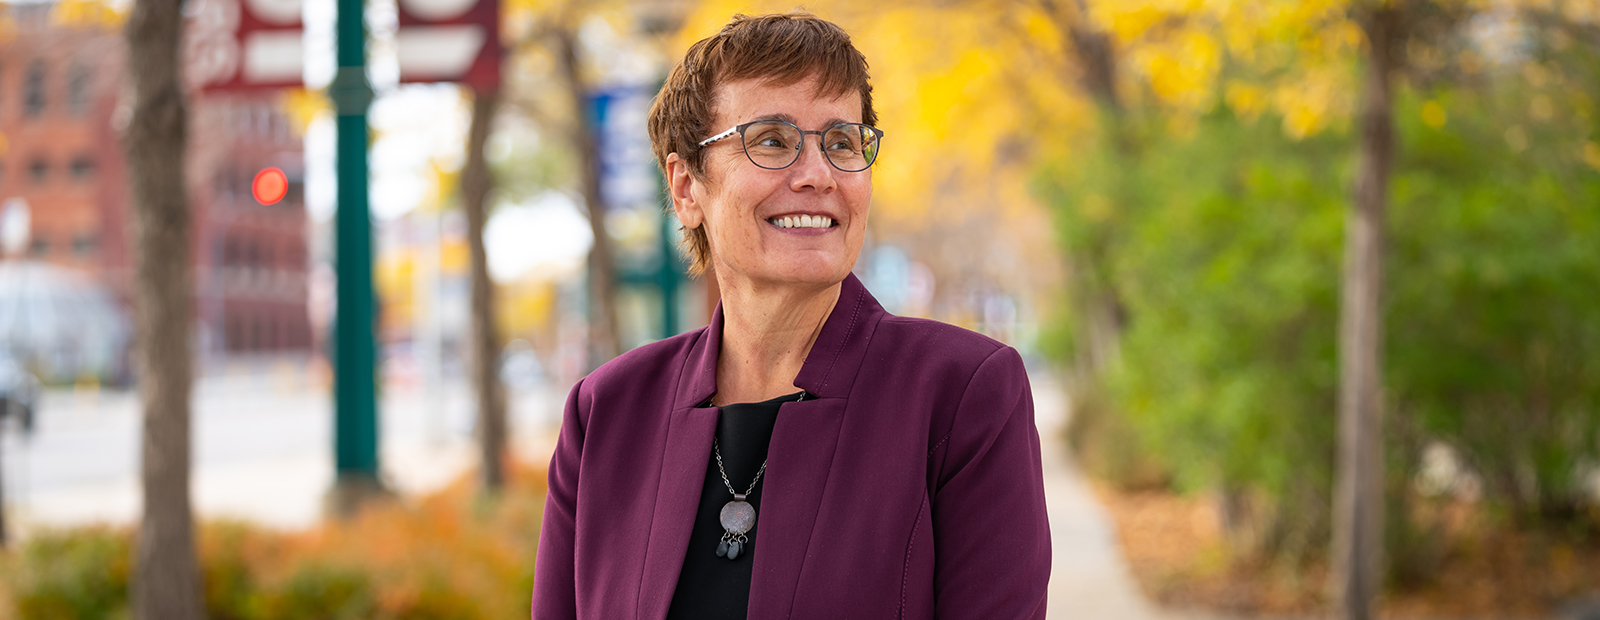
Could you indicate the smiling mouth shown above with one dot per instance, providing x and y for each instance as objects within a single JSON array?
[{"x": 802, "y": 221}]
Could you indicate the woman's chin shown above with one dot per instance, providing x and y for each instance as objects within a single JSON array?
[
  {"x": 827, "y": 271},
  {"x": 800, "y": 273}
]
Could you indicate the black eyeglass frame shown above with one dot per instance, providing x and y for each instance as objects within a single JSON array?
[{"x": 877, "y": 137}]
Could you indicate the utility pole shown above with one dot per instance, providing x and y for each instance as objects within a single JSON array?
[{"x": 354, "y": 343}]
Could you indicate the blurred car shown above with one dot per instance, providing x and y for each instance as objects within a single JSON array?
[
  {"x": 19, "y": 393},
  {"x": 63, "y": 324}
]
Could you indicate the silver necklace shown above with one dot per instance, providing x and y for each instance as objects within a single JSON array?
[{"x": 738, "y": 517}]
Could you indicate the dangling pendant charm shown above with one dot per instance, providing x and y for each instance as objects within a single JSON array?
[{"x": 737, "y": 518}]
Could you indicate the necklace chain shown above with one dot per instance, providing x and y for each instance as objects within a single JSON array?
[
  {"x": 724, "y": 472},
  {"x": 718, "y": 453}
]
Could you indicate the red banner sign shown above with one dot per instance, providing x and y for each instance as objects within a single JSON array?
[
  {"x": 449, "y": 41},
  {"x": 234, "y": 45}
]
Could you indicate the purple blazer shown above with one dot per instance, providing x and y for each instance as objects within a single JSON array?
[{"x": 910, "y": 488}]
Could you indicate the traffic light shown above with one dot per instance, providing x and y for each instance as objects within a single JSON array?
[{"x": 270, "y": 186}]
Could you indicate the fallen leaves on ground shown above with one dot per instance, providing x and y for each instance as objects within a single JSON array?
[{"x": 1176, "y": 550}]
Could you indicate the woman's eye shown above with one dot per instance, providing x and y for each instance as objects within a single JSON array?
[{"x": 771, "y": 141}]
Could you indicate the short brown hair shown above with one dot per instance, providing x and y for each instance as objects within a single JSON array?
[{"x": 781, "y": 49}]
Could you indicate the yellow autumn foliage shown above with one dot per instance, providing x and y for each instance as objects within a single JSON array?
[
  {"x": 302, "y": 106},
  {"x": 87, "y": 14},
  {"x": 1181, "y": 70}
]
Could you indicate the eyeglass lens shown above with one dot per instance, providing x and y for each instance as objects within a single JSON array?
[{"x": 850, "y": 147}]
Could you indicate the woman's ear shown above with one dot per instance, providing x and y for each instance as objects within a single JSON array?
[{"x": 680, "y": 186}]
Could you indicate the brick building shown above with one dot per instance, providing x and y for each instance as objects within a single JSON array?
[{"x": 60, "y": 114}]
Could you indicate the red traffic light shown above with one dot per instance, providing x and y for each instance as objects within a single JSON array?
[{"x": 270, "y": 186}]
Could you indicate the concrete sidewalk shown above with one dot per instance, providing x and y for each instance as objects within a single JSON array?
[{"x": 1088, "y": 579}]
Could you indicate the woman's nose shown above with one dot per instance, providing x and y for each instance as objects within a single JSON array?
[{"x": 813, "y": 168}]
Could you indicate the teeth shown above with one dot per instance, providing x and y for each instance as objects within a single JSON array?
[{"x": 802, "y": 221}]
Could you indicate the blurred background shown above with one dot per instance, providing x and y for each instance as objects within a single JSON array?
[{"x": 1147, "y": 198}]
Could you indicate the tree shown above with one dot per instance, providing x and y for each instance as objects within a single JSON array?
[
  {"x": 166, "y": 582},
  {"x": 1358, "y": 500},
  {"x": 476, "y": 182},
  {"x": 549, "y": 41},
  {"x": 603, "y": 337}
]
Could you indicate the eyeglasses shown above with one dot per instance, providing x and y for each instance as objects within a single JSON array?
[{"x": 775, "y": 145}]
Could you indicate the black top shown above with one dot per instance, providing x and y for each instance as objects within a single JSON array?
[{"x": 710, "y": 587}]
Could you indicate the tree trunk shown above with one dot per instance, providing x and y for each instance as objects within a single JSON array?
[
  {"x": 485, "y": 348},
  {"x": 1099, "y": 304},
  {"x": 166, "y": 584},
  {"x": 1097, "y": 56},
  {"x": 1358, "y": 497},
  {"x": 604, "y": 342},
  {"x": 3, "y": 541}
]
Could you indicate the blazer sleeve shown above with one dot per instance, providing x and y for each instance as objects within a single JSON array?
[
  {"x": 990, "y": 527},
  {"x": 554, "y": 588}
]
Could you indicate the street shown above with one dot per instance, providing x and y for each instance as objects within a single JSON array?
[{"x": 262, "y": 447}]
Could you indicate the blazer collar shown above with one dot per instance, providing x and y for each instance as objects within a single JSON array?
[{"x": 829, "y": 370}]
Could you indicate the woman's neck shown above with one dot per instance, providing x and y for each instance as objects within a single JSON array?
[{"x": 766, "y": 335}]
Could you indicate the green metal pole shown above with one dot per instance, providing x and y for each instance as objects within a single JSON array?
[
  {"x": 355, "y": 348},
  {"x": 671, "y": 274},
  {"x": 669, "y": 277}
]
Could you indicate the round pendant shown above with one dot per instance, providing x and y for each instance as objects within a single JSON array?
[{"x": 738, "y": 517}]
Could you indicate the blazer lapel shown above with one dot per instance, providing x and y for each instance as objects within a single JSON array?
[
  {"x": 683, "y": 470},
  {"x": 799, "y": 462}
]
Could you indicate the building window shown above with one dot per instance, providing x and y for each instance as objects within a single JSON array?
[
  {"x": 78, "y": 90},
  {"x": 222, "y": 181},
  {"x": 82, "y": 168},
  {"x": 39, "y": 171},
  {"x": 85, "y": 245},
  {"x": 33, "y": 90}
]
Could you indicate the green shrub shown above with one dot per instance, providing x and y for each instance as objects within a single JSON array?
[
  {"x": 323, "y": 591},
  {"x": 1222, "y": 249},
  {"x": 1494, "y": 320},
  {"x": 72, "y": 575}
]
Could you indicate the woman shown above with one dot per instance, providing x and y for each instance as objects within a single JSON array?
[{"x": 806, "y": 455}]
